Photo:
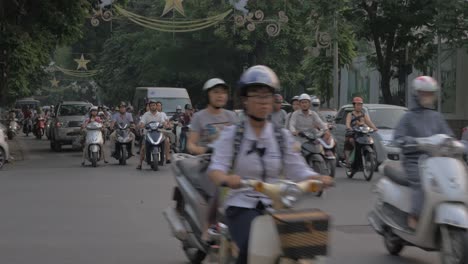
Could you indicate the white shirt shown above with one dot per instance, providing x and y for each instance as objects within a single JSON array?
[
  {"x": 249, "y": 166},
  {"x": 300, "y": 122},
  {"x": 148, "y": 117}
]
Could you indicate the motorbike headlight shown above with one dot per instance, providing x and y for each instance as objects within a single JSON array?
[{"x": 290, "y": 194}]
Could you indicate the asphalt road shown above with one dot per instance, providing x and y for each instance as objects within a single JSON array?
[{"x": 53, "y": 211}]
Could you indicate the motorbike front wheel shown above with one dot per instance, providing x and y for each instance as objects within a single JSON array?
[
  {"x": 10, "y": 135},
  {"x": 123, "y": 156},
  {"x": 453, "y": 245},
  {"x": 94, "y": 159},
  {"x": 194, "y": 255},
  {"x": 368, "y": 165},
  {"x": 319, "y": 166},
  {"x": 393, "y": 243},
  {"x": 155, "y": 164},
  {"x": 331, "y": 165}
]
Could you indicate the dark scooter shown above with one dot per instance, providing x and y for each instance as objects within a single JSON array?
[
  {"x": 123, "y": 143},
  {"x": 154, "y": 145},
  {"x": 363, "y": 157}
]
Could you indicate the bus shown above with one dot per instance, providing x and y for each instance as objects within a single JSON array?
[{"x": 27, "y": 102}]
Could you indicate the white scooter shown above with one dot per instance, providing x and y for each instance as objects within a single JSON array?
[
  {"x": 94, "y": 143},
  {"x": 282, "y": 235},
  {"x": 443, "y": 222}
]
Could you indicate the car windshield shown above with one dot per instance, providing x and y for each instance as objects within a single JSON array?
[
  {"x": 73, "y": 110},
  {"x": 169, "y": 105},
  {"x": 387, "y": 118}
]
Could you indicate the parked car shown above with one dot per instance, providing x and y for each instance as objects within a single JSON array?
[
  {"x": 4, "y": 149},
  {"x": 385, "y": 118},
  {"x": 66, "y": 126},
  {"x": 328, "y": 114}
]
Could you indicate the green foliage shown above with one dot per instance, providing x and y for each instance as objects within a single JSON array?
[{"x": 30, "y": 32}]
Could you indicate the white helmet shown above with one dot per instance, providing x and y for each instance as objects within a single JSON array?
[
  {"x": 100, "y": 113},
  {"x": 304, "y": 97},
  {"x": 93, "y": 108},
  {"x": 425, "y": 84},
  {"x": 211, "y": 83},
  {"x": 315, "y": 101}
]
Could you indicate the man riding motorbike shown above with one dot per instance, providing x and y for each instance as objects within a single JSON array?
[
  {"x": 92, "y": 117},
  {"x": 153, "y": 115},
  {"x": 278, "y": 117},
  {"x": 420, "y": 121},
  {"x": 357, "y": 117},
  {"x": 121, "y": 117},
  {"x": 316, "y": 108},
  {"x": 306, "y": 119},
  {"x": 295, "y": 106},
  {"x": 260, "y": 156}
]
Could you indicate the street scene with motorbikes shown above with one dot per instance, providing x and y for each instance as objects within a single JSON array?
[{"x": 234, "y": 132}]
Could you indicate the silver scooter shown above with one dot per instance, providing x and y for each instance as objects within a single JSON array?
[
  {"x": 443, "y": 222},
  {"x": 94, "y": 143}
]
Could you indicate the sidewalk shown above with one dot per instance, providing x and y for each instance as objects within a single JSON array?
[{"x": 16, "y": 150}]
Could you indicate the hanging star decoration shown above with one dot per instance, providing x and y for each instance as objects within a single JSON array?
[
  {"x": 54, "y": 82},
  {"x": 173, "y": 5},
  {"x": 82, "y": 63}
]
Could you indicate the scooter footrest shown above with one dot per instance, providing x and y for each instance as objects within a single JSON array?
[{"x": 303, "y": 234}]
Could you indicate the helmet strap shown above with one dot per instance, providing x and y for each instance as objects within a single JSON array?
[{"x": 258, "y": 119}]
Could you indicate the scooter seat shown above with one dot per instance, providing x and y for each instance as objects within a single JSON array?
[
  {"x": 395, "y": 172},
  {"x": 194, "y": 169}
]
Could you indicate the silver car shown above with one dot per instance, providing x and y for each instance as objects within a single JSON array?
[
  {"x": 65, "y": 128},
  {"x": 4, "y": 149},
  {"x": 385, "y": 117}
]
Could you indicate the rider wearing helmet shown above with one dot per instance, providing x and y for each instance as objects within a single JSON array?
[
  {"x": 278, "y": 117},
  {"x": 295, "y": 106},
  {"x": 92, "y": 117},
  {"x": 207, "y": 123},
  {"x": 420, "y": 121},
  {"x": 250, "y": 150},
  {"x": 121, "y": 117},
  {"x": 357, "y": 117},
  {"x": 306, "y": 119},
  {"x": 153, "y": 115}
]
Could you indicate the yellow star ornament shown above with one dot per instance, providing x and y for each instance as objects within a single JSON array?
[
  {"x": 82, "y": 63},
  {"x": 54, "y": 82},
  {"x": 173, "y": 5}
]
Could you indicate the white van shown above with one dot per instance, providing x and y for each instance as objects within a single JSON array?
[{"x": 169, "y": 97}]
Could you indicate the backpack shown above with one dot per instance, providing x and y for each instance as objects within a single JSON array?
[{"x": 239, "y": 136}]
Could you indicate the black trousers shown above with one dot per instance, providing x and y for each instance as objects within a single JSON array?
[{"x": 239, "y": 220}]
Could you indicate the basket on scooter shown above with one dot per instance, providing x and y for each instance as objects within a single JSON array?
[{"x": 303, "y": 233}]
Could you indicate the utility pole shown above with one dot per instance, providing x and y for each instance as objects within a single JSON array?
[
  {"x": 439, "y": 73},
  {"x": 3, "y": 55},
  {"x": 336, "y": 97}
]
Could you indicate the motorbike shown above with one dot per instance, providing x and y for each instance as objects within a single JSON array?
[
  {"x": 94, "y": 143},
  {"x": 313, "y": 152},
  {"x": 123, "y": 143},
  {"x": 363, "y": 157},
  {"x": 12, "y": 129},
  {"x": 183, "y": 139},
  {"x": 268, "y": 237},
  {"x": 154, "y": 147},
  {"x": 443, "y": 223},
  {"x": 40, "y": 127},
  {"x": 27, "y": 126}
]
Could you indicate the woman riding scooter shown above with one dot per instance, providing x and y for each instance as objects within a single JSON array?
[
  {"x": 357, "y": 117},
  {"x": 93, "y": 117},
  {"x": 260, "y": 156}
]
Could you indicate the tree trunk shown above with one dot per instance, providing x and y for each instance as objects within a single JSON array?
[{"x": 385, "y": 87}]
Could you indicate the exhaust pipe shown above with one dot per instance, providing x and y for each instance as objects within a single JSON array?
[{"x": 178, "y": 228}]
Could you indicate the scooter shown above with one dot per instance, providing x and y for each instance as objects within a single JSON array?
[
  {"x": 94, "y": 143},
  {"x": 443, "y": 223},
  {"x": 12, "y": 129},
  {"x": 267, "y": 245},
  {"x": 27, "y": 126},
  {"x": 40, "y": 127},
  {"x": 123, "y": 143},
  {"x": 362, "y": 157},
  {"x": 329, "y": 154},
  {"x": 154, "y": 147},
  {"x": 313, "y": 152}
]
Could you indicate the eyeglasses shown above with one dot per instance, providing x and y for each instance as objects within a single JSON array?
[{"x": 261, "y": 97}]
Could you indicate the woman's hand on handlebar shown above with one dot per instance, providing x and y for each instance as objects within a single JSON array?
[{"x": 232, "y": 181}]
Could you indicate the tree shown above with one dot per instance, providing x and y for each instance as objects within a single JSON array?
[
  {"x": 29, "y": 32},
  {"x": 398, "y": 27}
]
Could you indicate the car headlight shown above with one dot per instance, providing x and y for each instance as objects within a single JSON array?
[
  {"x": 290, "y": 194},
  {"x": 388, "y": 143}
]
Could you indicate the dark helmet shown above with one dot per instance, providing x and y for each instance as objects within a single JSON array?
[
  {"x": 188, "y": 107},
  {"x": 152, "y": 101},
  {"x": 258, "y": 75}
]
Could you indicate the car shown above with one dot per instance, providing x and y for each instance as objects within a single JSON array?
[
  {"x": 66, "y": 125},
  {"x": 328, "y": 114},
  {"x": 385, "y": 117},
  {"x": 4, "y": 149}
]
